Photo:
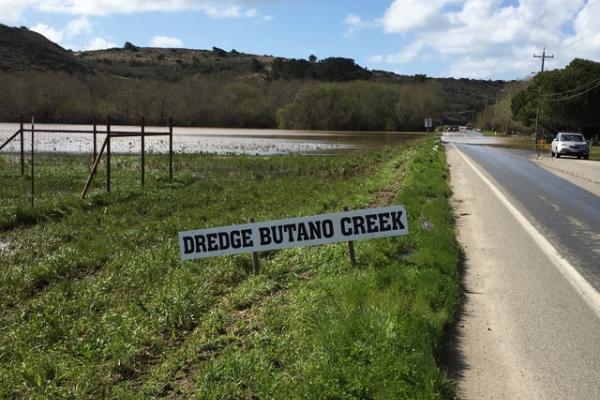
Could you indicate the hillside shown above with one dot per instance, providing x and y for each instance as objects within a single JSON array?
[
  {"x": 225, "y": 88},
  {"x": 24, "y": 50},
  {"x": 171, "y": 64}
]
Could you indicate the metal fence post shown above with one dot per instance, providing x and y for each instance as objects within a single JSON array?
[
  {"x": 351, "y": 249},
  {"x": 32, "y": 161},
  {"x": 143, "y": 152},
  {"x": 171, "y": 148},
  {"x": 22, "y": 148},
  {"x": 108, "y": 154},
  {"x": 95, "y": 145}
]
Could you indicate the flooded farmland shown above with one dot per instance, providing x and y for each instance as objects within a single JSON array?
[{"x": 70, "y": 139}]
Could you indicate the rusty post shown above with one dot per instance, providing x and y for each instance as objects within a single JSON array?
[
  {"x": 93, "y": 171},
  {"x": 143, "y": 151},
  {"x": 255, "y": 261},
  {"x": 22, "y": 148},
  {"x": 108, "y": 154},
  {"x": 171, "y": 148},
  {"x": 32, "y": 161},
  {"x": 95, "y": 145},
  {"x": 351, "y": 248}
]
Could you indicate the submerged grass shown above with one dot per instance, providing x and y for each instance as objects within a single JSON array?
[{"x": 96, "y": 303}]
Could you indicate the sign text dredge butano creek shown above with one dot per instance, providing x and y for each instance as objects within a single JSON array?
[{"x": 295, "y": 232}]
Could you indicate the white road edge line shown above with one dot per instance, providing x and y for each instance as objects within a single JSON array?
[{"x": 586, "y": 291}]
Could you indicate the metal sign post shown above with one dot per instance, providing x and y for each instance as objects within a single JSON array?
[{"x": 428, "y": 123}]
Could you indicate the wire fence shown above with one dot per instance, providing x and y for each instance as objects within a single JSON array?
[{"x": 48, "y": 161}]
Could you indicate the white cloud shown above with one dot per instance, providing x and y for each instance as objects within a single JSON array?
[
  {"x": 74, "y": 28},
  {"x": 356, "y": 23},
  {"x": 353, "y": 20},
  {"x": 251, "y": 13},
  {"x": 586, "y": 39},
  {"x": 406, "y": 15},
  {"x": 212, "y": 8},
  {"x": 407, "y": 54},
  {"x": 11, "y": 11},
  {"x": 99, "y": 43},
  {"x": 55, "y": 35},
  {"x": 165, "y": 41},
  {"x": 487, "y": 38},
  {"x": 78, "y": 26},
  {"x": 376, "y": 58}
]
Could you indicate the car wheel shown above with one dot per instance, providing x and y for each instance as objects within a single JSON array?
[
  {"x": 586, "y": 157},
  {"x": 557, "y": 155},
  {"x": 579, "y": 157},
  {"x": 552, "y": 153}
]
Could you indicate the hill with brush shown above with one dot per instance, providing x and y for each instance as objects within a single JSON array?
[{"x": 224, "y": 88}]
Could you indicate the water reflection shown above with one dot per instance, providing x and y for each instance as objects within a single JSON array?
[{"x": 206, "y": 140}]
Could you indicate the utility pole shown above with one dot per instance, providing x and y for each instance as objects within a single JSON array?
[
  {"x": 537, "y": 112},
  {"x": 543, "y": 57}
]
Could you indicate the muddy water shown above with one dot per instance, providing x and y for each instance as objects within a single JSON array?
[
  {"x": 476, "y": 138},
  {"x": 208, "y": 140}
]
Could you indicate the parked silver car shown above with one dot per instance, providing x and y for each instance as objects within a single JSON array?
[{"x": 570, "y": 144}]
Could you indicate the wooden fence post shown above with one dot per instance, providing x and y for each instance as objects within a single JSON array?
[
  {"x": 351, "y": 249},
  {"x": 108, "y": 154}
]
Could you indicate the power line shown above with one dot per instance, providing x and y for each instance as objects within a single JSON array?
[
  {"x": 577, "y": 94},
  {"x": 577, "y": 89}
]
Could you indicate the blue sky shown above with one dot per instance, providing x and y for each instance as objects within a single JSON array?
[{"x": 490, "y": 39}]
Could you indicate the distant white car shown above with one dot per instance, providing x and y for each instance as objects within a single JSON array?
[{"x": 570, "y": 144}]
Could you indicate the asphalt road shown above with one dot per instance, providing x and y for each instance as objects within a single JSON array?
[
  {"x": 567, "y": 215},
  {"x": 526, "y": 331}
]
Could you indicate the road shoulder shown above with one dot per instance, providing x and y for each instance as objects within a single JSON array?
[
  {"x": 583, "y": 173},
  {"x": 524, "y": 332}
]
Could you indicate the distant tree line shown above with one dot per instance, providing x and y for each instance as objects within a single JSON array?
[
  {"x": 329, "y": 69},
  {"x": 361, "y": 105},
  {"x": 569, "y": 99},
  {"x": 220, "y": 101},
  {"x": 497, "y": 116}
]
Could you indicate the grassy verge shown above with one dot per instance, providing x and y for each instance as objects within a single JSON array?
[
  {"x": 96, "y": 303},
  {"x": 595, "y": 153}
]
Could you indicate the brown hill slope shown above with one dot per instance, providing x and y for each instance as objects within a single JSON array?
[
  {"x": 170, "y": 63},
  {"x": 25, "y": 50}
]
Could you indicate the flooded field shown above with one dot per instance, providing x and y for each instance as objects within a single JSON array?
[
  {"x": 202, "y": 140},
  {"x": 476, "y": 138}
]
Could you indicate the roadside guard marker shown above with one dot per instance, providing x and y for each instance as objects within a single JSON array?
[{"x": 256, "y": 237}]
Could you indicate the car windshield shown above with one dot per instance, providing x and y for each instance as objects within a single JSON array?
[{"x": 572, "y": 138}]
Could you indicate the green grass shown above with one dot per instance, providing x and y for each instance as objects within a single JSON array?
[
  {"x": 595, "y": 153},
  {"x": 97, "y": 304}
]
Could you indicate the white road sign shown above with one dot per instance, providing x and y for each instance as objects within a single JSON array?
[{"x": 305, "y": 231}]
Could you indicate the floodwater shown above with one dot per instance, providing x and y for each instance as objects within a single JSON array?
[
  {"x": 476, "y": 138},
  {"x": 205, "y": 140}
]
